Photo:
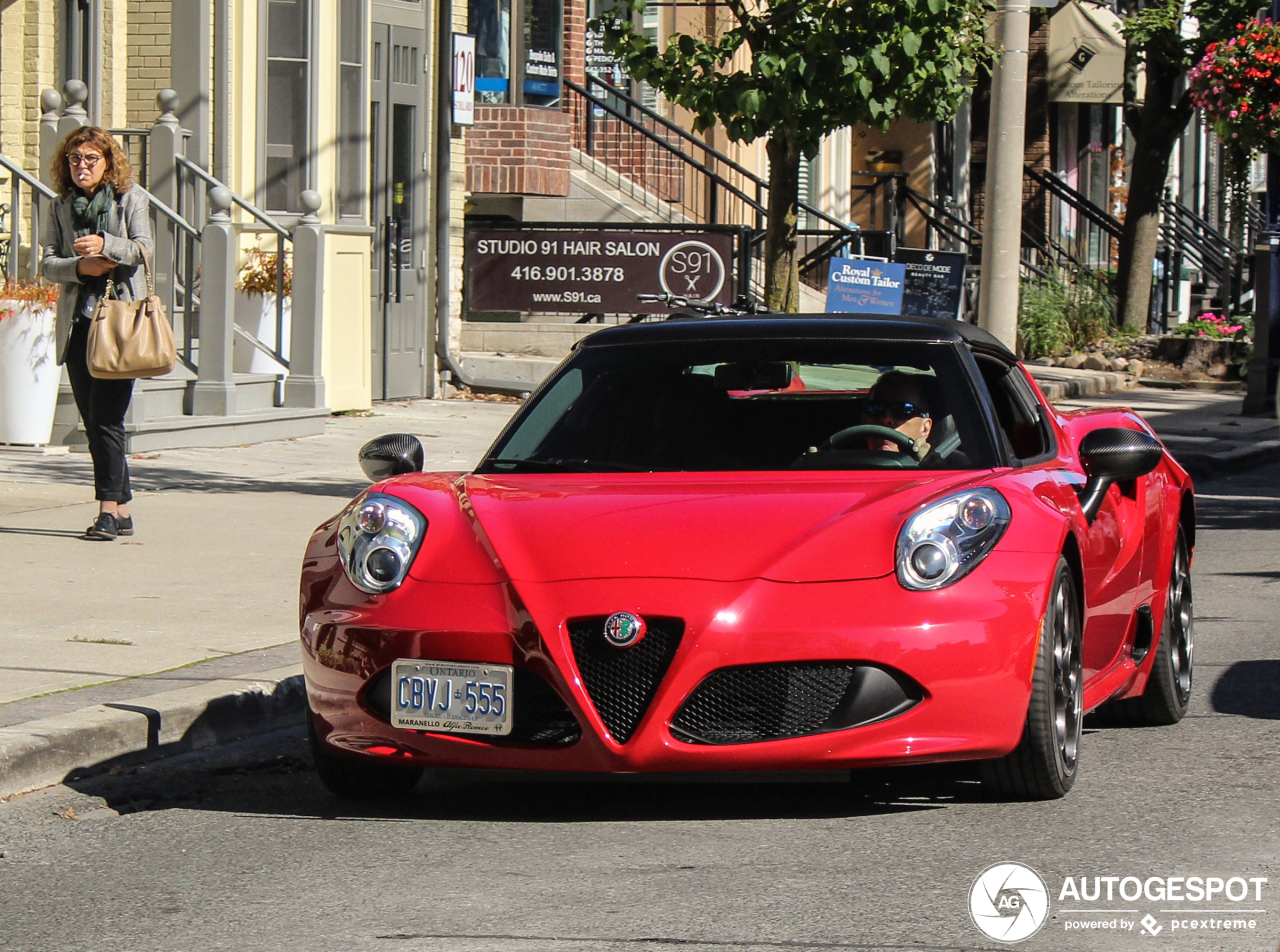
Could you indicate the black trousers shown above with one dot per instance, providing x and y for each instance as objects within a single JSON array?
[{"x": 102, "y": 405}]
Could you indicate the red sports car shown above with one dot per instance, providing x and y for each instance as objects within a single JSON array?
[{"x": 772, "y": 542}]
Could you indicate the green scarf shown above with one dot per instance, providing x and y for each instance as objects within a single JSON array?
[{"x": 89, "y": 215}]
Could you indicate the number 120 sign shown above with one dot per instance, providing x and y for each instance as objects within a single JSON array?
[{"x": 464, "y": 79}]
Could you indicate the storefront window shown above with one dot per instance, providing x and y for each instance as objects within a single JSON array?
[
  {"x": 490, "y": 22},
  {"x": 542, "y": 32}
]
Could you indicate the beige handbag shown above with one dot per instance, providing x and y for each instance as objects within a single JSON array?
[{"x": 130, "y": 338}]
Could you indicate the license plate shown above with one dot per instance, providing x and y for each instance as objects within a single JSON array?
[{"x": 451, "y": 696}]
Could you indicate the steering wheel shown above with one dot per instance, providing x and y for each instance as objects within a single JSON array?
[{"x": 841, "y": 440}]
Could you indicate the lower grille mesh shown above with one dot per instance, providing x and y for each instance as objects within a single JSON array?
[
  {"x": 623, "y": 681},
  {"x": 771, "y": 702}
]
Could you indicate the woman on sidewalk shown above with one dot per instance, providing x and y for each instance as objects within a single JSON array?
[{"x": 96, "y": 232}]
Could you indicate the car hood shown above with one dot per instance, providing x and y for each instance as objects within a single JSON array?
[{"x": 787, "y": 528}]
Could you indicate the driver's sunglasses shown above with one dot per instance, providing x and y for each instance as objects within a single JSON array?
[
  {"x": 899, "y": 410},
  {"x": 88, "y": 161}
]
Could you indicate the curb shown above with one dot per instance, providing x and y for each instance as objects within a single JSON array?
[
  {"x": 1057, "y": 385},
  {"x": 69, "y": 746},
  {"x": 1204, "y": 466}
]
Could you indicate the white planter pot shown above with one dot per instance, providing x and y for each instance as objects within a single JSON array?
[
  {"x": 256, "y": 314},
  {"x": 29, "y": 374}
]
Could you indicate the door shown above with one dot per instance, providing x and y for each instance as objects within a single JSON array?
[{"x": 397, "y": 209}]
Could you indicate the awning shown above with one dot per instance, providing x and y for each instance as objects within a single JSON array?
[{"x": 1086, "y": 55}]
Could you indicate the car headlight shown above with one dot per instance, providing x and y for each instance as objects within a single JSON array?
[
  {"x": 944, "y": 541},
  {"x": 377, "y": 540}
]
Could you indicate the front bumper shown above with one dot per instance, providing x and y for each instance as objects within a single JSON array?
[{"x": 970, "y": 648}]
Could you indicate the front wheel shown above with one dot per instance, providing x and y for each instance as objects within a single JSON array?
[
  {"x": 1043, "y": 766},
  {"x": 358, "y": 779}
]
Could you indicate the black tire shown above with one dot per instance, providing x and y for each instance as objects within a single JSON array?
[
  {"x": 352, "y": 778},
  {"x": 1044, "y": 764},
  {"x": 1168, "y": 691}
]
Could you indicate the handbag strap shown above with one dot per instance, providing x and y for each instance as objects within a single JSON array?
[{"x": 146, "y": 269}]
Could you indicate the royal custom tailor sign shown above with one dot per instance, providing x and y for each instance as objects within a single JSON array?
[
  {"x": 860, "y": 286},
  {"x": 594, "y": 271},
  {"x": 935, "y": 282}
]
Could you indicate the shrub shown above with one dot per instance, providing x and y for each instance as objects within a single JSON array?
[
  {"x": 1063, "y": 310},
  {"x": 28, "y": 292},
  {"x": 1216, "y": 326}
]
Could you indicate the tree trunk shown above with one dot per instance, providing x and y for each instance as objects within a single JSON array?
[
  {"x": 781, "y": 272},
  {"x": 1162, "y": 121}
]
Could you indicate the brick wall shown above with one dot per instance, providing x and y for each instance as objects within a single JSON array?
[
  {"x": 518, "y": 150},
  {"x": 1036, "y": 152},
  {"x": 149, "y": 39}
]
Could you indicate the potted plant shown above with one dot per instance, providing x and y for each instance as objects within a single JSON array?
[
  {"x": 256, "y": 313},
  {"x": 29, "y": 371}
]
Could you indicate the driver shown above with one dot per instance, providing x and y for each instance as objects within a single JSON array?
[{"x": 898, "y": 401}]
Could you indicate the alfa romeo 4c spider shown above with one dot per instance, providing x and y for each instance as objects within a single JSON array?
[{"x": 757, "y": 543}]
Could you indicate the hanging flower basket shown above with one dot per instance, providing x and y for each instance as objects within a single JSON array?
[
  {"x": 1237, "y": 87},
  {"x": 29, "y": 371}
]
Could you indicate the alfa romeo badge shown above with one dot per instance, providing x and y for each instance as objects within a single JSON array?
[{"x": 623, "y": 629}]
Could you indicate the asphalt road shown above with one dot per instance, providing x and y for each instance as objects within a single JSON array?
[{"x": 242, "y": 849}]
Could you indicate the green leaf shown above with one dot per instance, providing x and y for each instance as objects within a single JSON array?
[
  {"x": 687, "y": 45},
  {"x": 910, "y": 44},
  {"x": 865, "y": 86},
  {"x": 881, "y": 61}
]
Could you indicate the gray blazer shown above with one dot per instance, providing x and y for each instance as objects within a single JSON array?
[{"x": 128, "y": 225}]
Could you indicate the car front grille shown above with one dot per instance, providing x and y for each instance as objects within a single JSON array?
[
  {"x": 622, "y": 682},
  {"x": 776, "y": 701},
  {"x": 539, "y": 714}
]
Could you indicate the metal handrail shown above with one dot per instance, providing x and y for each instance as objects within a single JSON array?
[
  {"x": 248, "y": 206},
  {"x": 654, "y": 137},
  {"x": 282, "y": 235},
  {"x": 1099, "y": 216},
  {"x": 685, "y": 136},
  {"x": 170, "y": 214},
  {"x": 39, "y": 193}
]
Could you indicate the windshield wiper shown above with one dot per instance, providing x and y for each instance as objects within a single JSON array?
[{"x": 563, "y": 465}]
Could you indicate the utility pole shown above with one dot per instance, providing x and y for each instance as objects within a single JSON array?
[{"x": 1002, "y": 218}]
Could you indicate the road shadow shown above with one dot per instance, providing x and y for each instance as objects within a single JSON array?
[
  {"x": 272, "y": 775},
  {"x": 1249, "y": 689},
  {"x": 47, "y": 533},
  {"x": 1260, "y": 510}
]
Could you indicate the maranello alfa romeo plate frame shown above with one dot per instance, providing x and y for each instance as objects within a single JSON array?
[{"x": 451, "y": 696}]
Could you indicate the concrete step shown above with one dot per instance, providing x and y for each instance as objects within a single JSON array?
[{"x": 158, "y": 418}]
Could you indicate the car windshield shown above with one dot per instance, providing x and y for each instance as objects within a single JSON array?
[{"x": 762, "y": 404}]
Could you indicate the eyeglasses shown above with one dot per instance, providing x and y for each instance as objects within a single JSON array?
[
  {"x": 899, "y": 410},
  {"x": 88, "y": 161}
]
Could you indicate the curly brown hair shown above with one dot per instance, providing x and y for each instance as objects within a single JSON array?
[{"x": 119, "y": 174}]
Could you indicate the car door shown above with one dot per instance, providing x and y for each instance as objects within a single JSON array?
[{"x": 1111, "y": 550}]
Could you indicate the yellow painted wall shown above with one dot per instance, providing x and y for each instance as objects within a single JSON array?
[{"x": 348, "y": 331}]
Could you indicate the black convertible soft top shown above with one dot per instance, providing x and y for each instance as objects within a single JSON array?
[{"x": 846, "y": 327}]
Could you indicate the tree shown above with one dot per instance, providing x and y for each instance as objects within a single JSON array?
[
  {"x": 1162, "y": 37},
  {"x": 813, "y": 66}
]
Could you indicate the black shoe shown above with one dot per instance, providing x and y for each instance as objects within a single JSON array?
[
  {"x": 125, "y": 524},
  {"x": 105, "y": 529}
]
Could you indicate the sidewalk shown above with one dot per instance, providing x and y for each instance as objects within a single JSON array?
[{"x": 186, "y": 635}]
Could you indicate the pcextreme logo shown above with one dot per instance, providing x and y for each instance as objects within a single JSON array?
[{"x": 1009, "y": 902}]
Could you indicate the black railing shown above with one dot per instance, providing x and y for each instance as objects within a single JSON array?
[{"x": 1074, "y": 232}]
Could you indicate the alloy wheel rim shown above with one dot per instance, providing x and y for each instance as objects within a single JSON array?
[
  {"x": 1068, "y": 683},
  {"x": 1181, "y": 621}
]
